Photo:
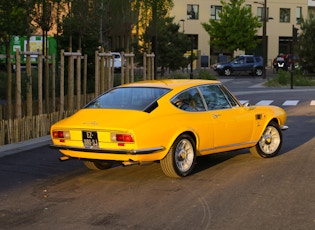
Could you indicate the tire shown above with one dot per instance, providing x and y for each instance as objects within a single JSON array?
[
  {"x": 270, "y": 142},
  {"x": 181, "y": 158},
  {"x": 97, "y": 165},
  {"x": 258, "y": 72},
  {"x": 227, "y": 71}
]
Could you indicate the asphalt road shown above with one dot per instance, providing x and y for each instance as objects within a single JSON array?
[{"x": 232, "y": 190}]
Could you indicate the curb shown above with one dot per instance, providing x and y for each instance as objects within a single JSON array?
[{"x": 10, "y": 149}]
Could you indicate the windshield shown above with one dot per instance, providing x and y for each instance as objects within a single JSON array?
[{"x": 133, "y": 98}]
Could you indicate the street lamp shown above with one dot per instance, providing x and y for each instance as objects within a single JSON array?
[{"x": 264, "y": 35}]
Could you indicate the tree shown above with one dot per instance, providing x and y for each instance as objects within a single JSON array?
[
  {"x": 306, "y": 46},
  {"x": 172, "y": 44},
  {"x": 13, "y": 21},
  {"x": 236, "y": 29}
]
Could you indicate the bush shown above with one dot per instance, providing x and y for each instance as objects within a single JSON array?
[{"x": 283, "y": 78}]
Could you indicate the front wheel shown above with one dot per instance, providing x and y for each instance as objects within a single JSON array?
[
  {"x": 181, "y": 158},
  {"x": 270, "y": 142},
  {"x": 227, "y": 71}
]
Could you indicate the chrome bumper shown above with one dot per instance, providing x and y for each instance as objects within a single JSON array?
[{"x": 110, "y": 151}]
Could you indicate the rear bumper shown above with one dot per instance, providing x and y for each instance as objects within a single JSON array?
[{"x": 109, "y": 151}]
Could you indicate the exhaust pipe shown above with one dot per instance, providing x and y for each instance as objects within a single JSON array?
[{"x": 64, "y": 158}]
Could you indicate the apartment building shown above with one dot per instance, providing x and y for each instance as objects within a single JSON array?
[{"x": 281, "y": 14}]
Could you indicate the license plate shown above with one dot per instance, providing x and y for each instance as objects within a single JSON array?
[{"x": 90, "y": 139}]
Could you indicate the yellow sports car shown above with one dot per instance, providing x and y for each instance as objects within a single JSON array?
[{"x": 170, "y": 121}]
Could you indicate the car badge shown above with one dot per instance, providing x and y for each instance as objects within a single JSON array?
[{"x": 90, "y": 123}]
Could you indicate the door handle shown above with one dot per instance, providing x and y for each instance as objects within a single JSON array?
[{"x": 215, "y": 116}]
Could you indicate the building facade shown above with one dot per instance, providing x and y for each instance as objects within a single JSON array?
[{"x": 281, "y": 17}]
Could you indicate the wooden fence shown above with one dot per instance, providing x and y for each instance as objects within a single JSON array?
[
  {"x": 33, "y": 118},
  {"x": 26, "y": 128}
]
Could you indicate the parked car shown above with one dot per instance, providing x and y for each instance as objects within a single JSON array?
[
  {"x": 242, "y": 63},
  {"x": 117, "y": 61},
  {"x": 167, "y": 121}
]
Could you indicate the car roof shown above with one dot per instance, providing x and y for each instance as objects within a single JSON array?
[{"x": 171, "y": 83}]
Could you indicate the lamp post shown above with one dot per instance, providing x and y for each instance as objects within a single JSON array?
[
  {"x": 191, "y": 76},
  {"x": 265, "y": 38},
  {"x": 264, "y": 34}
]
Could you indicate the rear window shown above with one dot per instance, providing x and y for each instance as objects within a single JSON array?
[{"x": 132, "y": 98}]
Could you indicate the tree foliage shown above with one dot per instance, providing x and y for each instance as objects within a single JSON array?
[
  {"x": 306, "y": 45},
  {"x": 236, "y": 28},
  {"x": 171, "y": 45}
]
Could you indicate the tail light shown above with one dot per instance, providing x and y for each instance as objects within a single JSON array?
[
  {"x": 59, "y": 134},
  {"x": 122, "y": 137}
]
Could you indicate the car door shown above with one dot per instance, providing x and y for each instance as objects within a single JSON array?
[
  {"x": 196, "y": 117},
  {"x": 249, "y": 63},
  {"x": 232, "y": 123},
  {"x": 238, "y": 63}
]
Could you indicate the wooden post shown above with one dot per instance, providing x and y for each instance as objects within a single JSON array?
[
  {"x": 62, "y": 81},
  {"x": 97, "y": 75},
  {"x": 149, "y": 67},
  {"x": 70, "y": 90},
  {"x": 127, "y": 67},
  {"x": 144, "y": 66},
  {"x": 108, "y": 74},
  {"x": 122, "y": 69},
  {"x": 53, "y": 83},
  {"x": 29, "y": 93},
  {"x": 46, "y": 82},
  {"x": 40, "y": 84},
  {"x": 78, "y": 81},
  {"x": 85, "y": 79},
  {"x": 102, "y": 74},
  {"x": 152, "y": 64},
  {"x": 18, "y": 96},
  {"x": 132, "y": 68}
]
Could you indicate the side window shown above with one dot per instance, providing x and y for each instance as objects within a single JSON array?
[
  {"x": 189, "y": 100},
  {"x": 250, "y": 60},
  {"x": 214, "y": 97},
  {"x": 239, "y": 60},
  {"x": 229, "y": 97}
]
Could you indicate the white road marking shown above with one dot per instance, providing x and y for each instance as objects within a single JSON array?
[
  {"x": 312, "y": 102},
  {"x": 264, "y": 102},
  {"x": 290, "y": 102},
  {"x": 244, "y": 101}
]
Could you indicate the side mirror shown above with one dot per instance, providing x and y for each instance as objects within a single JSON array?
[{"x": 246, "y": 104}]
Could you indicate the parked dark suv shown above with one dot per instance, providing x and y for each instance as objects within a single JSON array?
[{"x": 243, "y": 63}]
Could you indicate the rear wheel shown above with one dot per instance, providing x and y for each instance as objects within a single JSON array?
[
  {"x": 181, "y": 158},
  {"x": 270, "y": 142},
  {"x": 258, "y": 72},
  {"x": 97, "y": 165}
]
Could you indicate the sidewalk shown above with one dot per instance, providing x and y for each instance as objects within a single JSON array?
[{"x": 9, "y": 149}]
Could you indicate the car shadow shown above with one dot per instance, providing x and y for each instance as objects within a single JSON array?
[
  {"x": 301, "y": 131},
  {"x": 211, "y": 160}
]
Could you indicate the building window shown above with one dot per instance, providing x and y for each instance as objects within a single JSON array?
[
  {"x": 192, "y": 11},
  {"x": 260, "y": 13},
  {"x": 284, "y": 14},
  {"x": 298, "y": 15},
  {"x": 214, "y": 12}
]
